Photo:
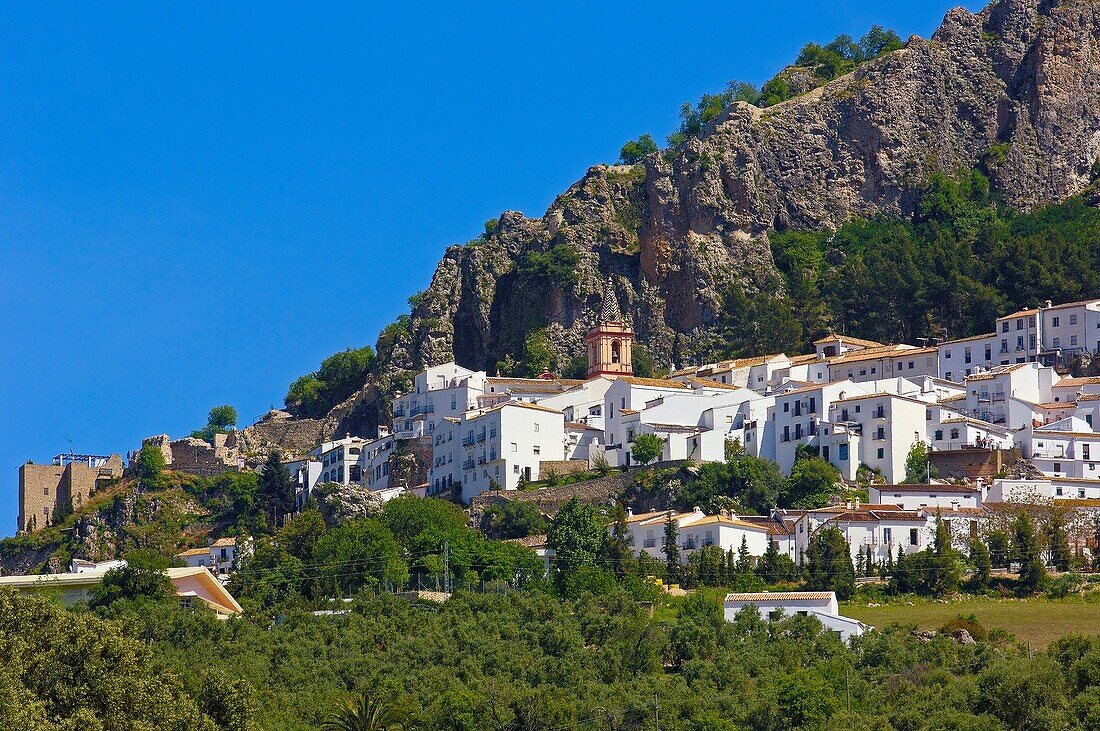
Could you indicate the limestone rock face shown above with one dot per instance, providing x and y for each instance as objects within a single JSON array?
[{"x": 1014, "y": 88}]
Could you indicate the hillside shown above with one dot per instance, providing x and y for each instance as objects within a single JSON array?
[{"x": 689, "y": 232}]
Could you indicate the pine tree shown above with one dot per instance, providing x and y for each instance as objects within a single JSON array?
[
  {"x": 943, "y": 577},
  {"x": 671, "y": 550},
  {"x": 276, "y": 489},
  {"x": 1026, "y": 552},
  {"x": 1060, "y": 554},
  {"x": 979, "y": 557},
  {"x": 744, "y": 558},
  {"x": 768, "y": 568},
  {"x": 829, "y": 563}
]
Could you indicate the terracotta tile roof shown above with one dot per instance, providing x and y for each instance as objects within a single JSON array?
[
  {"x": 773, "y": 527},
  {"x": 967, "y": 340},
  {"x": 726, "y": 520},
  {"x": 652, "y": 382},
  {"x": 1056, "y": 433},
  {"x": 577, "y": 426},
  {"x": 1055, "y": 405},
  {"x": 224, "y": 542},
  {"x": 708, "y": 383},
  {"x": 780, "y": 596},
  {"x": 926, "y": 488},
  {"x": 534, "y": 385},
  {"x": 1078, "y": 503},
  {"x": 1075, "y": 382},
  {"x": 996, "y": 371},
  {"x": 952, "y": 399},
  {"x": 1089, "y": 397},
  {"x": 640, "y": 517},
  {"x": 846, "y": 339},
  {"x": 628, "y": 412},
  {"x": 195, "y": 552},
  {"x": 1018, "y": 313},
  {"x": 1079, "y": 303},
  {"x": 535, "y": 541}
]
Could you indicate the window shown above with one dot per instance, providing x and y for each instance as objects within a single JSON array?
[
  {"x": 536, "y": 427},
  {"x": 967, "y": 356},
  {"x": 842, "y": 452},
  {"x": 786, "y": 433},
  {"x": 45, "y": 490},
  {"x": 1057, "y": 342},
  {"x": 913, "y": 541},
  {"x": 947, "y": 354},
  {"x": 954, "y": 433},
  {"x": 1057, "y": 466},
  {"x": 881, "y": 453},
  {"x": 857, "y": 408},
  {"x": 887, "y": 535},
  {"x": 939, "y": 435},
  {"x": 615, "y": 351},
  {"x": 1004, "y": 326},
  {"x": 1020, "y": 342},
  {"x": 1020, "y": 324},
  {"x": 537, "y": 449},
  {"x": 786, "y": 407},
  {"x": 515, "y": 447},
  {"x": 1073, "y": 340},
  {"x": 515, "y": 469}
]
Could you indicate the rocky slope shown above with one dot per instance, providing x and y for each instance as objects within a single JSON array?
[{"x": 1014, "y": 88}]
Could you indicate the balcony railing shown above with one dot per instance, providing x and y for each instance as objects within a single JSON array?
[
  {"x": 404, "y": 434},
  {"x": 649, "y": 543},
  {"x": 468, "y": 440},
  {"x": 399, "y": 411},
  {"x": 468, "y": 464},
  {"x": 425, "y": 409},
  {"x": 481, "y": 437}
]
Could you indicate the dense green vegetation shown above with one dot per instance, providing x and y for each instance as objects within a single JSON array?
[
  {"x": 219, "y": 421},
  {"x": 961, "y": 262},
  {"x": 818, "y": 65},
  {"x": 339, "y": 376}
]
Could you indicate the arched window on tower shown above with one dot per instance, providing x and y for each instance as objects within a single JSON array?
[{"x": 615, "y": 352}]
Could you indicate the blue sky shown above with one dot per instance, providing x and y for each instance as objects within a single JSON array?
[{"x": 198, "y": 204}]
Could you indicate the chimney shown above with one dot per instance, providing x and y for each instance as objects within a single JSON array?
[
  {"x": 857, "y": 503},
  {"x": 696, "y": 509},
  {"x": 630, "y": 512}
]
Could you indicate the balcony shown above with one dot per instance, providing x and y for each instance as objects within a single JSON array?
[
  {"x": 468, "y": 464},
  {"x": 468, "y": 440},
  {"x": 481, "y": 437},
  {"x": 649, "y": 543},
  {"x": 404, "y": 434},
  {"x": 399, "y": 411},
  {"x": 481, "y": 460},
  {"x": 425, "y": 409},
  {"x": 880, "y": 413}
]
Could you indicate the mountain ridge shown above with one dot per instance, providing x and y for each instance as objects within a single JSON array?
[{"x": 1013, "y": 89}]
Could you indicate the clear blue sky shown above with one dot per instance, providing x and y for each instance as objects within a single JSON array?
[{"x": 199, "y": 204}]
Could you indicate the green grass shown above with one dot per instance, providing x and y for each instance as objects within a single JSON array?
[{"x": 1038, "y": 621}]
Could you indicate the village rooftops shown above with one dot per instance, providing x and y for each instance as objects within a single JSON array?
[
  {"x": 708, "y": 383},
  {"x": 921, "y": 487},
  {"x": 652, "y": 382},
  {"x": 884, "y": 352},
  {"x": 967, "y": 339},
  {"x": 1079, "y": 381},
  {"x": 534, "y": 385},
  {"x": 847, "y": 339},
  {"x": 1019, "y": 313},
  {"x": 996, "y": 371}
]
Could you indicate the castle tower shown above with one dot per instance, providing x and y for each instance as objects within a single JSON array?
[{"x": 609, "y": 340}]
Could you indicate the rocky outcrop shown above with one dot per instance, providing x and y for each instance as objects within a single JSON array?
[
  {"x": 1014, "y": 89},
  {"x": 338, "y": 503}
]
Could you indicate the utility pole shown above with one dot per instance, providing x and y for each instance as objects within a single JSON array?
[{"x": 446, "y": 567}]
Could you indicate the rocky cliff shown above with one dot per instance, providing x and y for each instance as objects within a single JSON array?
[{"x": 1014, "y": 89}]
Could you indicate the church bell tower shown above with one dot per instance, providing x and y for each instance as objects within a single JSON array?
[{"x": 609, "y": 340}]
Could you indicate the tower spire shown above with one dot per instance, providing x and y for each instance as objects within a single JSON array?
[{"x": 609, "y": 307}]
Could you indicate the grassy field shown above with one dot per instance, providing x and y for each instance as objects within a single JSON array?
[{"x": 1038, "y": 621}]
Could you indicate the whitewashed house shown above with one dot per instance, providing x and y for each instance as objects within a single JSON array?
[
  {"x": 917, "y": 496},
  {"x": 494, "y": 448},
  {"x": 696, "y": 530},
  {"x": 772, "y": 606},
  {"x": 1066, "y": 448},
  {"x": 439, "y": 392}
]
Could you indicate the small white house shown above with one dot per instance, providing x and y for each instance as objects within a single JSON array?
[
  {"x": 916, "y": 496},
  {"x": 821, "y": 605}
]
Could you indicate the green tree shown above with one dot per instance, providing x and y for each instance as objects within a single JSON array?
[
  {"x": 829, "y": 563},
  {"x": 917, "y": 467},
  {"x": 218, "y": 421},
  {"x": 576, "y": 534},
  {"x": 671, "y": 549},
  {"x": 641, "y": 361},
  {"x": 1058, "y": 540},
  {"x": 516, "y": 519},
  {"x": 1027, "y": 553},
  {"x": 538, "y": 358},
  {"x": 364, "y": 712},
  {"x": 812, "y": 482},
  {"x": 980, "y": 560},
  {"x": 276, "y": 489},
  {"x": 635, "y": 151},
  {"x": 142, "y": 578},
  {"x": 356, "y": 554},
  {"x": 944, "y": 577},
  {"x": 646, "y": 448},
  {"x": 150, "y": 463}
]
